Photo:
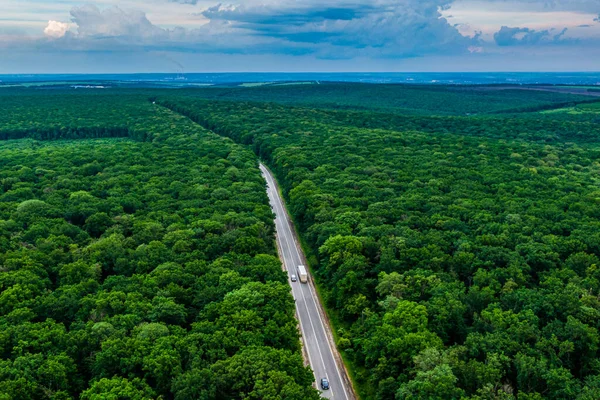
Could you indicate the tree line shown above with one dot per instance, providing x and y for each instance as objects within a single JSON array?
[
  {"x": 139, "y": 269},
  {"x": 459, "y": 262},
  {"x": 398, "y": 99}
]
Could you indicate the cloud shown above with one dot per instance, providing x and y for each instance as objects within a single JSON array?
[
  {"x": 557, "y": 37},
  {"x": 56, "y": 29},
  {"x": 394, "y": 33},
  {"x": 113, "y": 22},
  {"x": 329, "y": 29},
  {"x": 508, "y": 36},
  {"x": 297, "y": 14},
  {"x": 388, "y": 28},
  {"x": 117, "y": 30},
  {"x": 580, "y": 6}
]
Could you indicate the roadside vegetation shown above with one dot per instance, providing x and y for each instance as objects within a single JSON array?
[
  {"x": 137, "y": 267},
  {"x": 455, "y": 234},
  {"x": 460, "y": 253}
]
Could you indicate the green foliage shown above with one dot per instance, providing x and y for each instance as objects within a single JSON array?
[
  {"x": 141, "y": 267},
  {"x": 460, "y": 250},
  {"x": 398, "y": 99},
  {"x": 118, "y": 389},
  {"x": 461, "y": 253}
]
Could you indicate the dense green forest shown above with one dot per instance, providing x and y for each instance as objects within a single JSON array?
[
  {"x": 140, "y": 267},
  {"x": 459, "y": 255},
  {"x": 454, "y": 233},
  {"x": 397, "y": 99},
  {"x": 63, "y": 114}
]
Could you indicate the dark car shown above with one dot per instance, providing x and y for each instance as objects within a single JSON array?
[
  {"x": 293, "y": 278},
  {"x": 324, "y": 384}
]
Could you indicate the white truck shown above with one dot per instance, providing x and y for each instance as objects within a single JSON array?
[{"x": 302, "y": 274}]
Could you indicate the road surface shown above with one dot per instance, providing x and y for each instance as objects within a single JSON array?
[{"x": 312, "y": 324}]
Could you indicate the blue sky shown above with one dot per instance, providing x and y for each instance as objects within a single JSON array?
[{"x": 69, "y": 36}]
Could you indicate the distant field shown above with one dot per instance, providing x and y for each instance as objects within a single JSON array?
[
  {"x": 52, "y": 83},
  {"x": 573, "y": 110},
  {"x": 581, "y": 87},
  {"x": 259, "y": 84},
  {"x": 295, "y": 83},
  {"x": 255, "y": 84},
  {"x": 589, "y": 110}
]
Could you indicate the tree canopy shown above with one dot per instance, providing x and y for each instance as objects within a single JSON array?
[
  {"x": 459, "y": 255},
  {"x": 453, "y": 232},
  {"x": 140, "y": 267}
]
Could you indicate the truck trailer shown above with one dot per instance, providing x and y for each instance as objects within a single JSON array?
[{"x": 302, "y": 274}]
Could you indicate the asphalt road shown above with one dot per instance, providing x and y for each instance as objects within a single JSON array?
[{"x": 312, "y": 324}]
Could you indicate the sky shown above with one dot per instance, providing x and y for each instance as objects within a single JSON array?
[{"x": 129, "y": 36}]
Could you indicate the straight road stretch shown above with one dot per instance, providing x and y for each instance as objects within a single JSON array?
[{"x": 315, "y": 336}]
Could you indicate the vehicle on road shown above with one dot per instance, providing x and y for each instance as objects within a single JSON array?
[
  {"x": 313, "y": 327},
  {"x": 293, "y": 278},
  {"x": 302, "y": 273}
]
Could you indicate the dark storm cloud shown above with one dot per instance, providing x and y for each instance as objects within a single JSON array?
[
  {"x": 192, "y": 2},
  {"x": 513, "y": 36},
  {"x": 325, "y": 28},
  {"x": 387, "y": 27},
  {"x": 295, "y": 15},
  {"x": 580, "y": 6}
]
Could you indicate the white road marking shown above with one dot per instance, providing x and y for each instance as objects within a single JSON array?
[
  {"x": 285, "y": 231},
  {"x": 285, "y": 237},
  {"x": 295, "y": 304},
  {"x": 323, "y": 325}
]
